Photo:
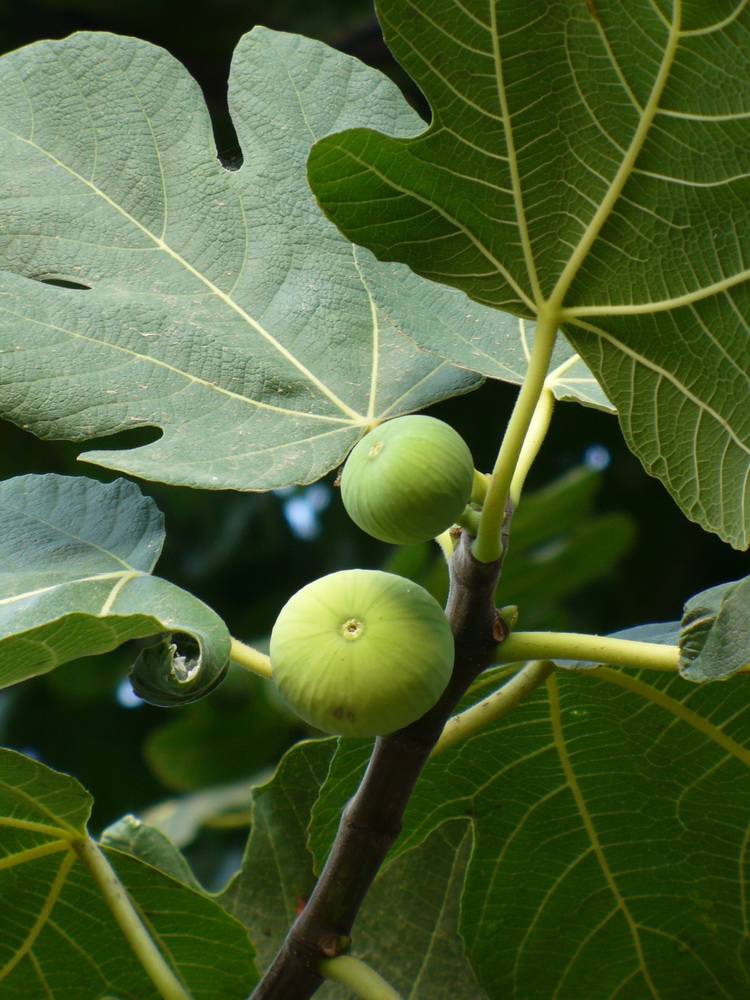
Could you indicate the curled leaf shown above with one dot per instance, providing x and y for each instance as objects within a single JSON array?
[
  {"x": 714, "y": 639},
  {"x": 176, "y": 670},
  {"x": 76, "y": 562}
]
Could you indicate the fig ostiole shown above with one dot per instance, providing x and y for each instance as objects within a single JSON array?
[
  {"x": 408, "y": 480},
  {"x": 361, "y": 652}
]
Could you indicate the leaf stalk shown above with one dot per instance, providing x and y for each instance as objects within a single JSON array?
[
  {"x": 362, "y": 980},
  {"x": 535, "y": 436},
  {"x": 251, "y": 659},
  {"x": 138, "y": 937},
  {"x": 488, "y": 544},
  {"x": 494, "y": 706},
  {"x": 593, "y": 648}
]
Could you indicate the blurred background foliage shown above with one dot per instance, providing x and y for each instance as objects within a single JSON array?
[{"x": 596, "y": 546}]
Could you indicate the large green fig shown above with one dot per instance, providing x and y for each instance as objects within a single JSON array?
[
  {"x": 361, "y": 652},
  {"x": 407, "y": 480}
]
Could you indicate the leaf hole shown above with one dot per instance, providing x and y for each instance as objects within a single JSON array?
[
  {"x": 137, "y": 436},
  {"x": 65, "y": 283}
]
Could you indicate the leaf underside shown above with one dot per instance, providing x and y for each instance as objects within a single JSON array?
[
  {"x": 222, "y": 307},
  {"x": 610, "y": 816},
  {"x": 58, "y": 940},
  {"x": 586, "y": 161},
  {"x": 714, "y": 638}
]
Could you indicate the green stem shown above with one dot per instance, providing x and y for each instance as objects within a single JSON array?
[
  {"x": 469, "y": 520},
  {"x": 594, "y": 648},
  {"x": 138, "y": 937},
  {"x": 358, "y": 977},
  {"x": 495, "y": 706},
  {"x": 251, "y": 659},
  {"x": 488, "y": 544},
  {"x": 479, "y": 489},
  {"x": 536, "y": 434}
]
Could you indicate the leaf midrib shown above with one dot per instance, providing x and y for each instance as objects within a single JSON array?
[
  {"x": 122, "y": 576},
  {"x": 515, "y": 175},
  {"x": 624, "y": 171},
  {"x": 189, "y": 376}
]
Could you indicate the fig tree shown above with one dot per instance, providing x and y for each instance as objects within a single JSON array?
[
  {"x": 408, "y": 480},
  {"x": 361, "y": 652}
]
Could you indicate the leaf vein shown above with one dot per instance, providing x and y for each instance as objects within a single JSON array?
[
  {"x": 212, "y": 287},
  {"x": 588, "y": 824}
]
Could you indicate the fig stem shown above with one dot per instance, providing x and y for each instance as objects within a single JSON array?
[
  {"x": 488, "y": 544},
  {"x": 362, "y": 980},
  {"x": 469, "y": 520},
  {"x": 251, "y": 659}
]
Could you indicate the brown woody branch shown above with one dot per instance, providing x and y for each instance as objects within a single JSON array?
[{"x": 372, "y": 819}]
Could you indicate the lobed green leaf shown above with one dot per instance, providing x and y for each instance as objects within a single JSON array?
[
  {"x": 147, "y": 285},
  {"x": 585, "y": 162}
]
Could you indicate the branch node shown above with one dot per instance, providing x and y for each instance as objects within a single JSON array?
[
  {"x": 500, "y": 630},
  {"x": 332, "y": 945}
]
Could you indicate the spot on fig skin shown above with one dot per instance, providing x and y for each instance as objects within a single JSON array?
[{"x": 338, "y": 713}]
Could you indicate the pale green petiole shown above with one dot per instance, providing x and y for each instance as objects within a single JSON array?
[
  {"x": 494, "y": 706},
  {"x": 363, "y": 981},
  {"x": 538, "y": 428},
  {"x": 251, "y": 659},
  {"x": 535, "y": 436},
  {"x": 592, "y": 648},
  {"x": 539, "y": 649},
  {"x": 138, "y": 937},
  {"x": 479, "y": 489},
  {"x": 487, "y": 546}
]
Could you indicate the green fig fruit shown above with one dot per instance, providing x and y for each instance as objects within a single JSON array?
[
  {"x": 361, "y": 652},
  {"x": 408, "y": 480}
]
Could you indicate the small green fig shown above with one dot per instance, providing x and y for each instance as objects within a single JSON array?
[
  {"x": 361, "y": 652},
  {"x": 408, "y": 480}
]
